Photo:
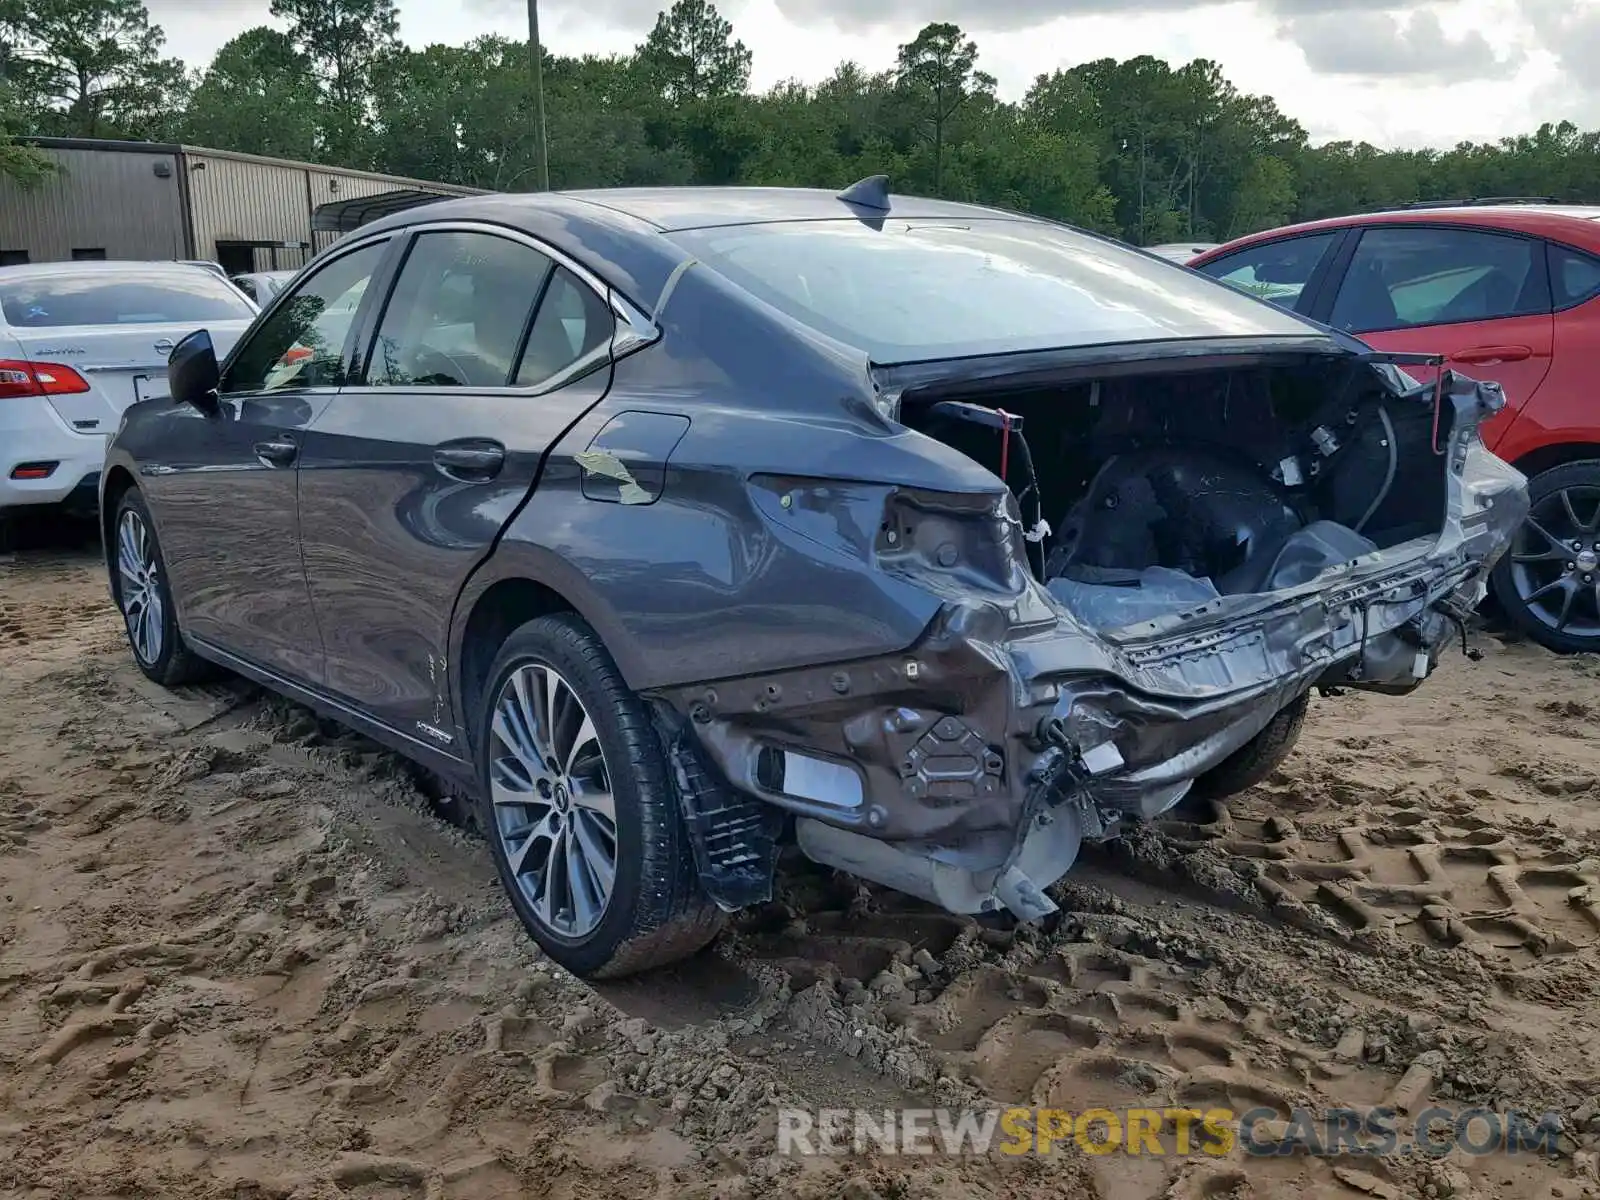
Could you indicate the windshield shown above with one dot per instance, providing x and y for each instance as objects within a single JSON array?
[
  {"x": 943, "y": 289},
  {"x": 192, "y": 298}
]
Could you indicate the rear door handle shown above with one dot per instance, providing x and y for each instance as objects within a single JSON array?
[
  {"x": 1483, "y": 355},
  {"x": 277, "y": 452},
  {"x": 470, "y": 461}
]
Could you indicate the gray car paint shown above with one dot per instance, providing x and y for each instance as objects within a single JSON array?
[{"x": 752, "y": 597}]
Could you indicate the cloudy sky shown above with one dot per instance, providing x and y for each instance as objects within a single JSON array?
[{"x": 1393, "y": 72}]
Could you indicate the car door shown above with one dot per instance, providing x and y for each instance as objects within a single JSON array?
[
  {"x": 485, "y": 353},
  {"x": 1286, "y": 271},
  {"x": 225, "y": 498},
  {"x": 1480, "y": 298}
]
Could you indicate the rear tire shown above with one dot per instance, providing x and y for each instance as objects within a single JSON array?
[
  {"x": 139, "y": 584},
  {"x": 1256, "y": 760},
  {"x": 1544, "y": 567},
  {"x": 569, "y": 768}
]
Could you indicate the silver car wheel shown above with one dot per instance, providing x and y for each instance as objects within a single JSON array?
[
  {"x": 1555, "y": 561},
  {"x": 140, "y": 587},
  {"x": 554, "y": 811}
]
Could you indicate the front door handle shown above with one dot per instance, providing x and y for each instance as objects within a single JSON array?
[
  {"x": 276, "y": 452},
  {"x": 1483, "y": 355},
  {"x": 470, "y": 461}
]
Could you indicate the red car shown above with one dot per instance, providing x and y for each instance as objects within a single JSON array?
[{"x": 1509, "y": 291}]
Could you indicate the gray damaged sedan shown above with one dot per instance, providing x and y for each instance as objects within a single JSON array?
[{"x": 677, "y": 525}]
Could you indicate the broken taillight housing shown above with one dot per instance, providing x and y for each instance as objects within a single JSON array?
[{"x": 20, "y": 378}]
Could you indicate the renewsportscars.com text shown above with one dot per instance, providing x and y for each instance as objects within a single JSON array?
[{"x": 1259, "y": 1132}]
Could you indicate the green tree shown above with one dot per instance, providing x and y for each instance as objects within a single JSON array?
[
  {"x": 344, "y": 40},
  {"x": 258, "y": 96},
  {"x": 938, "y": 74},
  {"x": 90, "y": 68},
  {"x": 20, "y": 163},
  {"x": 465, "y": 115},
  {"x": 1148, "y": 150},
  {"x": 691, "y": 54}
]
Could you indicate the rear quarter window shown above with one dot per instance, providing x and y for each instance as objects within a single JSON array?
[
  {"x": 97, "y": 299},
  {"x": 1574, "y": 276}
]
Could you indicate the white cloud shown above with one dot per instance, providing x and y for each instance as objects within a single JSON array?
[
  {"x": 1394, "y": 72},
  {"x": 1383, "y": 46}
]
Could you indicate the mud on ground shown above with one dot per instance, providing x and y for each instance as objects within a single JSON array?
[{"x": 241, "y": 955}]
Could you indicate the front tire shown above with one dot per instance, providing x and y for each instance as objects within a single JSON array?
[
  {"x": 1547, "y": 583},
  {"x": 576, "y": 800},
  {"x": 139, "y": 582}
]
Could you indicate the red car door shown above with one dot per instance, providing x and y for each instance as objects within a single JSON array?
[{"x": 1481, "y": 299}]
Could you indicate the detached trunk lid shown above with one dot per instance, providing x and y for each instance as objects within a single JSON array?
[{"x": 123, "y": 364}]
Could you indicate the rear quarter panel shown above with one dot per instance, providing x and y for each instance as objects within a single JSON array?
[
  {"x": 1566, "y": 408},
  {"x": 697, "y": 584}
]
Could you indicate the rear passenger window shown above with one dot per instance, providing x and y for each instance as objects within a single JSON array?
[
  {"x": 1406, "y": 276},
  {"x": 1574, "y": 276},
  {"x": 458, "y": 312},
  {"x": 571, "y": 328}
]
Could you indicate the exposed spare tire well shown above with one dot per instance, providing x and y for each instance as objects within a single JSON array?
[{"x": 1187, "y": 484}]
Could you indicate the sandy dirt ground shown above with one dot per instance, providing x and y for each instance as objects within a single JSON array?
[{"x": 242, "y": 955}]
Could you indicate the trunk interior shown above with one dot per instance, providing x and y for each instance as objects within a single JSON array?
[{"x": 1167, "y": 490}]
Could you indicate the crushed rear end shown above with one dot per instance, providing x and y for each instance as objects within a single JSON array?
[{"x": 1187, "y": 540}]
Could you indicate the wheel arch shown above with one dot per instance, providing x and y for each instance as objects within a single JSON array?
[
  {"x": 1557, "y": 454},
  {"x": 520, "y": 583},
  {"x": 118, "y": 481}
]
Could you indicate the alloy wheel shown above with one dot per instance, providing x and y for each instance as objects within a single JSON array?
[
  {"x": 554, "y": 811},
  {"x": 140, "y": 587},
  {"x": 1555, "y": 561}
]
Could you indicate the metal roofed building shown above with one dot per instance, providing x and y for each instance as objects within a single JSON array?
[{"x": 151, "y": 200}]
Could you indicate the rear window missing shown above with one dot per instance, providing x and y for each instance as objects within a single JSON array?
[{"x": 55, "y": 300}]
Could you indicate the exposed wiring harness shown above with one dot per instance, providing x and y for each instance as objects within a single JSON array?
[{"x": 1009, "y": 426}]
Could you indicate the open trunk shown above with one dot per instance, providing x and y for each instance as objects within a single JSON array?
[{"x": 1149, "y": 494}]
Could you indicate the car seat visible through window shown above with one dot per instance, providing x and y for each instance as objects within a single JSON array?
[{"x": 1365, "y": 302}]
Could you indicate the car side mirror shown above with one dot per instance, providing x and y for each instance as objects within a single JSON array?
[{"x": 193, "y": 374}]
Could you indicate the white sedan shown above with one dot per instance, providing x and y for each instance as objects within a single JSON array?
[{"x": 80, "y": 342}]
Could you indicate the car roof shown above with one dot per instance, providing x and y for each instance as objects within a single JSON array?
[
  {"x": 677, "y": 208},
  {"x": 619, "y": 232},
  {"x": 110, "y": 267},
  {"x": 1575, "y": 223},
  {"x": 671, "y": 209}
]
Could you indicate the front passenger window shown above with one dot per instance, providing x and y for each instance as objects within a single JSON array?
[
  {"x": 302, "y": 344},
  {"x": 1277, "y": 272}
]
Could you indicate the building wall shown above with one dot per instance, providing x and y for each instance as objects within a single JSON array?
[
  {"x": 244, "y": 211},
  {"x": 97, "y": 200},
  {"x": 241, "y": 200},
  {"x": 244, "y": 199}
]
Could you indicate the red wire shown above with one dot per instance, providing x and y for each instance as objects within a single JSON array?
[{"x": 1005, "y": 443}]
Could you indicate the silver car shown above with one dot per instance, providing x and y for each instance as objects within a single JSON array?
[{"x": 262, "y": 286}]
